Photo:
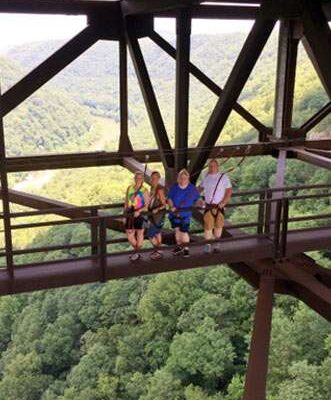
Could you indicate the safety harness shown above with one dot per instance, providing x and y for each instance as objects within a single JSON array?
[{"x": 211, "y": 207}]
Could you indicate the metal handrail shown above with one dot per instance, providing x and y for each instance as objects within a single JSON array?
[
  {"x": 98, "y": 223},
  {"x": 63, "y": 210}
]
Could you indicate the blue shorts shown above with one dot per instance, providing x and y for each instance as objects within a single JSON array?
[
  {"x": 155, "y": 228},
  {"x": 182, "y": 223},
  {"x": 153, "y": 231}
]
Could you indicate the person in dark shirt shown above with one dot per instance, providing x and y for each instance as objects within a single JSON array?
[
  {"x": 182, "y": 194},
  {"x": 157, "y": 211}
]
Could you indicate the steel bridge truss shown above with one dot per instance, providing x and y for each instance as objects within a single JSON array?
[{"x": 268, "y": 252}]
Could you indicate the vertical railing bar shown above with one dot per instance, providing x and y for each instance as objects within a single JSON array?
[
  {"x": 267, "y": 212},
  {"x": 284, "y": 227},
  {"x": 103, "y": 249},
  {"x": 277, "y": 227},
  {"x": 94, "y": 232},
  {"x": 261, "y": 213},
  {"x": 5, "y": 200}
]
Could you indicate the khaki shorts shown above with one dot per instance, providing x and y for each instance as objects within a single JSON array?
[{"x": 213, "y": 218}]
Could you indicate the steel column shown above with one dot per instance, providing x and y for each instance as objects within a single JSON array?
[
  {"x": 317, "y": 40},
  {"x": 280, "y": 182},
  {"x": 125, "y": 143},
  {"x": 5, "y": 201},
  {"x": 182, "y": 87},
  {"x": 239, "y": 75},
  {"x": 256, "y": 376},
  {"x": 286, "y": 68}
]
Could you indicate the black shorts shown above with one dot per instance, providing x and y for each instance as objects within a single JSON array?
[{"x": 134, "y": 223}]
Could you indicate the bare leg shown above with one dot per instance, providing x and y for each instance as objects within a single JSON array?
[
  {"x": 218, "y": 233},
  {"x": 185, "y": 238},
  {"x": 178, "y": 236},
  {"x": 140, "y": 238},
  {"x": 154, "y": 241},
  {"x": 131, "y": 237},
  {"x": 217, "y": 236},
  {"x": 209, "y": 234},
  {"x": 157, "y": 240}
]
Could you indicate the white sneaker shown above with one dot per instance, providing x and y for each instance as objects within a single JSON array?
[
  {"x": 207, "y": 248},
  {"x": 135, "y": 257}
]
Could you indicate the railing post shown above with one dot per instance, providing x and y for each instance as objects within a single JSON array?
[
  {"x": 267, "y": 212},
  {"x": 257, "y": 369},
  {"x": 285, "y": 207},
  {"x": 261, "y": 212},
  {"x": 5, "y": 202},
  {"x": 103, "y": 249},
  {"x": 94, "y": 232},
  {"x": 276, "y": 230}
]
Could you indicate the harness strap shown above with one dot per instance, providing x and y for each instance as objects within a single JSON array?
[
  {"x": 216, "y": 187},
  {"x": 181, "y": 204}
]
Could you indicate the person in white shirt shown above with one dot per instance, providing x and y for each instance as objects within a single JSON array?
[{"x": 217, "y": 190}]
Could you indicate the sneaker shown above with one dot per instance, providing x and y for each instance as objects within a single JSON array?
[
  {"x": 177, "y": 251},
  {"x": 135, "y": 257},
  {"x": 156, "y": 255},
  {"x": 186, "y": 253},
  {"x": 207, "y": 248}
]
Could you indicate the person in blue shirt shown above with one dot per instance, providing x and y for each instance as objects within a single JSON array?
[{"x": 182, "y": 194}]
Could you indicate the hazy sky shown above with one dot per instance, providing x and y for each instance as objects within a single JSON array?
[{"x": 17, "y": 29}]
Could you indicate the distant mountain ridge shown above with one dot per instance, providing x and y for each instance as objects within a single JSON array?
[
  {"x": 92, "y": 80},
  {"x": 50, "y": 120}
]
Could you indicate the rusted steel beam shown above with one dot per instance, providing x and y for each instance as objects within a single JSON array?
[
  {"x": 79, "y": 271},
  {"x": 125, "y": 143},
  {"x": 133, "y": 166},
  {"x": 210, "y": 84},
  {"x": 241, "y": 10},
  {"x": 317, "y": 40},
  {"x": 133, "y": 7},
  {"x": 183, "y": 30},
  {"x": 286, "y": 68},
  {"x": 239, "y": 75},
  {"x": 151, "y": 103},
  {"x": 317, "y": 118},
  {"x": 45, "y": 203},
  {"x": 257, "y": 370},
  {"x": 68, "y": 7},
  {"x": 48, "y": 69},
  {"x": 5, "y": 201},
  {"x": 323, "y": 153},
  {"x": 308, "y": 288},
  {"x": 211, "y": 11},
  {"x": 312, "y": 158},
  {"x": 204, "y": 11},
  {"x": 95, "y": 159}
]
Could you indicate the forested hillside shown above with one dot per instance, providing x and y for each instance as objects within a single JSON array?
[
  {"x": 49, "y": 121},
  {"x": 175, "y": 336},
  {"x": 93, "y": 81}
]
